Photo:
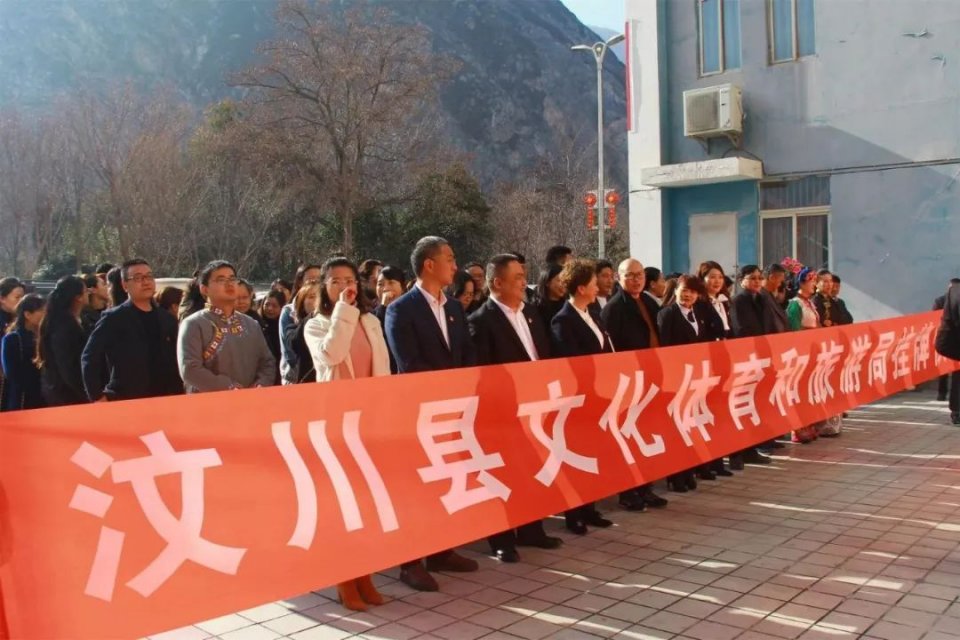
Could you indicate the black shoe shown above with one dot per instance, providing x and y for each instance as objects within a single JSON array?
[
  {"x": 546, "y": 542},
  {"x": 653, "y": 500},
  {"x": 680, "y": 486},
  {"x": 844, "y": 415},
  {"x": 706, "y": 475},
  {"x": 723, "y": 473},
  {"x": 577, "y": 527},
  {"x": 955, "y": 418},
  {"x": 633, "y": 503},
  {"x": 596, "y": 520},
  {"x": 736, "y": 462},
  {"x": 691, "y": 482},
  {"x": 506, "y": 555},
  {"x": 755, "y": 457}
]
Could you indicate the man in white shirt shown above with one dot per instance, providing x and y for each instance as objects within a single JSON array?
[{"x": 505, "y": 330}]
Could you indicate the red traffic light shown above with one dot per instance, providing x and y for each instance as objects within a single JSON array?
[
  {"x": 590, "y": 199},
  {"x": 612, "y": 198}
]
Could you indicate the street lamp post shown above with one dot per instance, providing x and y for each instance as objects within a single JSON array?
[{"x": 599, "y": 51}]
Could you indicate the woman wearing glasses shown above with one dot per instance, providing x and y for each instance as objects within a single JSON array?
[{"x": 346, "y": 342}]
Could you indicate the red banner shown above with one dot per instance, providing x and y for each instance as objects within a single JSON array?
[{"x": 130, "y": 518}]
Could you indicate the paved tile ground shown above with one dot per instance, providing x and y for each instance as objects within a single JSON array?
[{"x": 857, "y": 536}]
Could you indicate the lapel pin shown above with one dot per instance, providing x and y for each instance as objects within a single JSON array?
[{"x": 450, "y": 318}]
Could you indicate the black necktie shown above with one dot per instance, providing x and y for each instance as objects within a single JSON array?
[{"x": 690, "y": 317}]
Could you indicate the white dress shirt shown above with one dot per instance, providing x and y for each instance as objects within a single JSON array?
[
  {"x": 590, "y": 323},
  {"x": 721, "y": 310},
  {"x": 436, "y": 306},
  {"x": 659, "y": 301},
  {"x": 519, "y": 323},
  {"x": 692, "y": 319}
]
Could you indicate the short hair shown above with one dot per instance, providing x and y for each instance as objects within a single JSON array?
[
  {"x": 823, "y": 272},
  {"x": 367, "y": 266},
  {"x": 396, "y": 274},
  {"x": 836, "y": 279},
  {"x": 497, "y": 264},
  {"x": 773, "y": 269},
  {"x": 460, "y": 281},
  {"x": 577, "y": 273},
  {"x": 747, "y": 270},
  {"x": 427, "y": 248},
  {"x": 134, "y": 262},
  {"x": 954, "y": 280},
  {"x": 91, "y": 280},
  {"x": 8, "y": 285},
  {"x": 208, "y": 270},
  {"x": 605, "y": 264},
  {"x": 558, "y": 252},
  {"x": 105, "y": 268},
  {"x": 522, "y": 259},
  {"x": 692, "y": 282},
  {"x": 169, "y": 296},
  {"x": 651, "y": 275}
]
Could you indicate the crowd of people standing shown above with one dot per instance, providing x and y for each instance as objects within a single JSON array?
[{"x": 112, "y": 336}]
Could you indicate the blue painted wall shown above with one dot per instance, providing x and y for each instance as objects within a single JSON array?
[
  {"x": 741, "y": 197},
  {"x": 873, "y": 96}
]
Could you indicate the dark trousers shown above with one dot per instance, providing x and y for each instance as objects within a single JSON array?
[
  {"x": 943, "y": 385},
  {"x": 955, "y": 392},
  {"x": 580, "y": 514}
]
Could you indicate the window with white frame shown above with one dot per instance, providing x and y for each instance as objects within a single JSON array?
[
  {"x": 795, "y": 221},
  {"x": 719, "y": 35},
  {"x": 791, "y": 29}
]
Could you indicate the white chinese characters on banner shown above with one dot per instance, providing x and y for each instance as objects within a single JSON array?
[
  {"x": 901, "y": 357},
  {"x": 689, "y": 408},
  {"x": 435, "y": 438},
  {"x": 819, "y": 389},
  {"x": 742, "y": 401},
  {"x": 306, "y": 526},
  {"x": 877, "y": 371},
  {"x": 786, "y": 388},
  {"x": 556, "y": 444},
  {"x": 628, "y": 430},
  {"x": 853, "y": 364},
  {"x": 182, "y": 535},
  {"x": 921, "y": 351}
]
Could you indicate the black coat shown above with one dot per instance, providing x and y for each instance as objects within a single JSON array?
[
  {"x": 625, "y": 323},
  {"x": 774, "y": 316},
  {"x": 496, "y": 340},
  {"x": 746, "y": 315},
  {"x": 60, "y": 377},
  {"x": 675, "y": 329},
  {"x": 120, "y": 343},
  {"x": 571, "y": 336},
  {"x": 22, "y": 388},
  {"x": 415, "y": 338},
  {"x": 947, "y": 342}
]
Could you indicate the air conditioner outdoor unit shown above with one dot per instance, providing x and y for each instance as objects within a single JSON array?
[{"x": 713, "y": 112}]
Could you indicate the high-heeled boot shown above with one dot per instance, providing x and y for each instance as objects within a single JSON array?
[
  {"x": 349, "y": 596},
  {"x": 368, "y": 591}
]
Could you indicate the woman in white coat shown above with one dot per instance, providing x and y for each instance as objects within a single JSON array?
[{"x": 346, "y": 342}]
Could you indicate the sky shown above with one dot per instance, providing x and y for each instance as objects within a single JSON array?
[{"x": 598, "y": 13}]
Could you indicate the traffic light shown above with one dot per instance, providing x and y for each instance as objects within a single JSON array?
[
  {"x": 610, "y": 200},
  {"x": 591, "y": 200}
]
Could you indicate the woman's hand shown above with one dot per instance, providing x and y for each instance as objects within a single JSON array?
[{"x": 349, "y": 294}]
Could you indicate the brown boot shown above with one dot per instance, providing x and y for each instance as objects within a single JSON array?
[
  {"x": 368, "y": 591},
  {"x": 349, "y": 596},
  {"x": 416, "y": 577},
  {"x": 451, "y": 561}
]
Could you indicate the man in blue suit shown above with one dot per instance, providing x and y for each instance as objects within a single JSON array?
[{"x": 427, "y": 332}]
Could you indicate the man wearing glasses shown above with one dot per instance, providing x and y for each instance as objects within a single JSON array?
[
  {"x": 133, "y": 346},
  {"x": 220, "y": 348}
]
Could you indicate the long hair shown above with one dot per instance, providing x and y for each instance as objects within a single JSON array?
[
  {"x": 118, "y": 295},
  {"x": 59, "y": 313},
  {"x": 300, "y": 312},
  {"x": 543, "y": 284},
  {"x": 193, "y": 301},
  {"x": 326, "y": 304},
  {"x": 29, "y": 303}
]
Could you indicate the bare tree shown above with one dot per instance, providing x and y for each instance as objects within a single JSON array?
[{"x": 344, "y": 92}]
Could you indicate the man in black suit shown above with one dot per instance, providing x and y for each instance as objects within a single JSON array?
[
  {"x": 631, "y": 321},
  {"x": 774, "y": 316},
  {"x": 843, "y": 314},
  {"x": 427, "y": 332},
  {"x": 506, "y": 330},
  {"x": 136, "y": 342},
  {"x": 943, "y": 383}
]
